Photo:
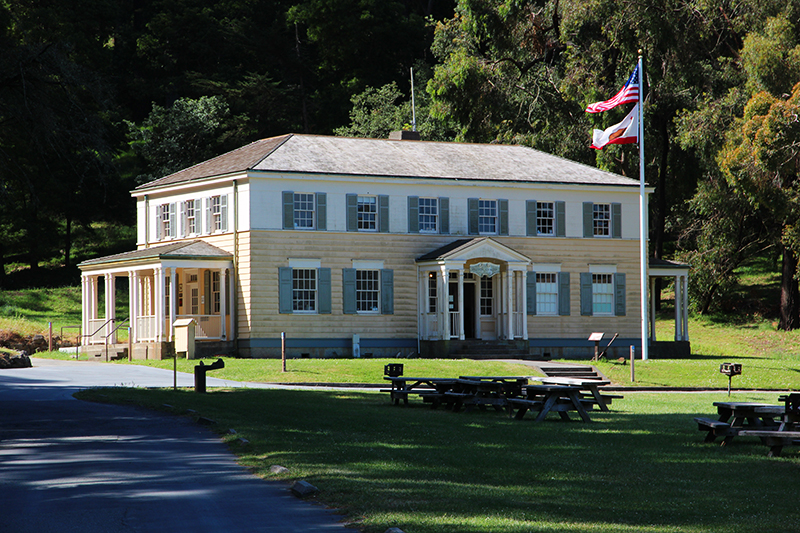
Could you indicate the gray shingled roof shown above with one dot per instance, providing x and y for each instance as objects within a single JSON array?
[
  {"x": 180, "y": 250},
  {"x": 316, "y": 154}
]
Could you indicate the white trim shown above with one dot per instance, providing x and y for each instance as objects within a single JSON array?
[
  {"x": 359, "y": 264},
  {"x": 603, "y": 269},
  {"x": 305, "y": 263},
  {"x": 545, "y": 268}
]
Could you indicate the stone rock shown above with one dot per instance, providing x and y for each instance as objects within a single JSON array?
[
  {"x": 17, "y": 360},
  {"x": 278, "y": 469},
  {"x": 303, "y": 489}
]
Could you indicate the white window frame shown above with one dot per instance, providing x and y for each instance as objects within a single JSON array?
[
  {"x": 546, "y": 218},
  {"x": 216, "y": 214},
  {"x": 547, "y": 293},
  {"x": 433, "y": 290},
  {"x": 367, "y": 213},
  {"x": 601, "y": 220},
  {"x": 215, "y": 293},
  {"x": 428, "y": 213},
  {"x": 602, "y": 294},
  {"x": 487, "y": 217},
  {"x": 305, "y": 291},
  {"x": 486, "y": 296},
  {"x": 305, "y": 211},
  {"x": 191, "y": 217},
  {"x": 368, "y": 291},
  {"x": 164, "y": 221}
]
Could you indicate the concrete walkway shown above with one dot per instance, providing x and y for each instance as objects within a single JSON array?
[{"x": 72, "y": 466}]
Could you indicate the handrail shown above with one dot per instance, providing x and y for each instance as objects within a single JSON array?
[
  {"x": 77, "y": 339},
  {"x": 95, "y": 332},
  {"x": 111, "y": 333}
]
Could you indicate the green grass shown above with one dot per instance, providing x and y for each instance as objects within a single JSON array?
[{"x": 642, "y": 467}]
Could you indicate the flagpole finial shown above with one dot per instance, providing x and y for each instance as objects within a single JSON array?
[{"x": 640, "y": 52}]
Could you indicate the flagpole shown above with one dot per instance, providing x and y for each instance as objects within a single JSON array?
[{"x": 643, "y": 219}]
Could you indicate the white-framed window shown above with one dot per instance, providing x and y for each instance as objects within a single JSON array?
[
  {"x": 432, "y": 292},
  {"x": 603, "y": 294},
  {"x": 304, "y": 207},
  {"x": 215, "y": 293},
  {"x": 601, "y": 220},
  {"x": 368, "y": 291},
  {"x": 487, "y": 217},
  {"x": 216, "y": 213},
  {"x": 164, "y": 220},
  {"x": 545, "y": 218},
  {"x": 546, "y": 293},
  {"x": 191, "y": 217},
  {"x": 487, "y": 296},
  {"x": 367, "y": 213},
  {"x": 428, "y": 215},
  {"x": 304, "y": 290}
]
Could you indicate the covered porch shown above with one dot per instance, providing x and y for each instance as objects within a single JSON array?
[
  {"x": 188, "y": 280},
  {"x": 679, "y": 346},
  {"x": 472, "y": 289}
]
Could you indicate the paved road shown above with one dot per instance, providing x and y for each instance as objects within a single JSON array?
[{"x": 67, "y": 465}]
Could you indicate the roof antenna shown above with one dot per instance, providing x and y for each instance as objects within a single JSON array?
[{"x": 413, "y": 110}]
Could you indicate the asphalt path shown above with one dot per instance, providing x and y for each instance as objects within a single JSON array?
[{"x": 68, "y": 465}]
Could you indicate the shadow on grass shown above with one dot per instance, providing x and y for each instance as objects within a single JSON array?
[{"x": 643, "y": 466}]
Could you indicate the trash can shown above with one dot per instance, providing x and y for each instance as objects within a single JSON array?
[{"x": 184, "y": 337}]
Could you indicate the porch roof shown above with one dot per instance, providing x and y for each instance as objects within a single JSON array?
[
  {"x": 664, "y": 268},
  {"x": 466, "y": 249},
  {"x": 191, "y": 250}
]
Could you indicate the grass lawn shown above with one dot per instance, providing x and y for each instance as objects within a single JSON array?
[{"x": 642, "y": 467}]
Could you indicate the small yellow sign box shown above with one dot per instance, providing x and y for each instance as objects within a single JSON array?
[{"x": 184, "y": 337}]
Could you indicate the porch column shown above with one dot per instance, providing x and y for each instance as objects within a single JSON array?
[
  {"x": 685, "y": 307},
  {"x": 84, "y": 307},
  {"x": 92, "y": 292},
  {"x": 422, "y": 301},
  {"x": 173, "y": 300},
  {"x": 111, "y": 314},
  {"x": 444, "y": 307},
  {"x": 132, "y": 304},
  {"x": 652, "y": 317},
  {"x": 461, "y": 303},
  {"x": 507, "y": 305},
  {"x": 223, "y": 301},
  {"x": 158, "y": 302},
  {"x": 523, "y": 305}
]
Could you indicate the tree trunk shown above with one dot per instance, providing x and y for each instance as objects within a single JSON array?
[{"x": 790, "y": 297}]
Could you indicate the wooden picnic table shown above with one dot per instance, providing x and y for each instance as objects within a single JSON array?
[
  {"x": 427, "y": 388},
  {"x": 590, "y": 385},
  {"x": 483, "y": 391},
  {"x": 787, "y": 430},
  {"x": 737, "y": 416},
  {"x": 546, "y": 398}
]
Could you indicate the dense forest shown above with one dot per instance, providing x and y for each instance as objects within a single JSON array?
[{"x": 97, "y": 96}]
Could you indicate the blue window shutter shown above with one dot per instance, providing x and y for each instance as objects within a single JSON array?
[
  {"x": 223, "y": 212},
  {"x": 530, "y": 218},
  {"x": 502, "y": 208},
  {"x": 588, "y": 219},
  {"x": 472, "y": 209},
  {"x": 352, "y": 212},
  {"x": 586, "y": 294},
  {"x": 561, "y": 219},
  {"x": 616, "y": 221},
  {"x": 444, "y": 215},
  {"x": 349, "y": 291},
  {"x": 530, "y": 281},
  {"x": 322, "y": 210},
  {"x": 563, "y": 294},
  {"x": 383, "y": 213},
  {"x": 619, "y": 294},
  {"x": 387, "y": 291},
  {"x": 324, "y": 291},
  {"x": 413, "y": 214},
  {"x": 159, "y": 226},
  {"x": 288, "y": 210},
  {"x": 285, "y": 289}
]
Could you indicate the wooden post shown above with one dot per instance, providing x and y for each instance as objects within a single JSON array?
[
  {"x": 283, "y": 350},
  {"x": 633, "y": 358},
  {"x": 50, "y": 337}
]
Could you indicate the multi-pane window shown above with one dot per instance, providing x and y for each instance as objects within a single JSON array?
[
  {"x": 601, "y": 220},
  {"x": 215, "y": 292},
  {"x": 546, "y": 293},
  {"x": 603, "y": 294},
  {"x": 216, "y": 213},
  {"x": 432, "y": 292},
  {"x": 428, "y": 215},
  {"x": 367, "y": 291},
  {"x": 191, "y": 217},
  {"x": 304, "y": 289},
  {"x": 487, "y": 216},
  {"x": 545, "y": 218},
  {"x": 303, "y": 211},
  {"x": 367, "y": 213},
  {"x": 164, "y": 221},
  {"x": 487, "y": 296}
]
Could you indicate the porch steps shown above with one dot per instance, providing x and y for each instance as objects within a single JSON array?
[
  {"x": 570, "y": 371},
  {"x": 487, "y": 350},
  {"x": 98, "y": 353}
]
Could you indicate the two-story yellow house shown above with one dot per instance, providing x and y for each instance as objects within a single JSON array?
[{"x": 358, "y": 247}]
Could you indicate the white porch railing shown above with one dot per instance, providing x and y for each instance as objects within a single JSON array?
[
  {"x": 146, "y": 328},
  {"x": 98, "y": 330},
  {"x": 455, "y": 325},
  {"x": 430, "y": 326},
  {"x": 519, "y": 318},
  {"x": 206, "y": 326}
]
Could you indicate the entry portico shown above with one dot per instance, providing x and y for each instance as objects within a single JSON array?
[
  {"x": 181, "y": 280},
  {"x": 473, "y": 288}
]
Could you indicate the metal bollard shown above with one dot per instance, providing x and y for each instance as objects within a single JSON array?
[{"x": 200, "y": 374}]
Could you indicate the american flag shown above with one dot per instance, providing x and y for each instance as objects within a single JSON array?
[{"x": 629, "y": 93}]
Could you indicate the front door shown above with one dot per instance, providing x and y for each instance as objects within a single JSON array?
[
  {"x": 487, "y": 307},
  {"x": 469, "y": 310}
]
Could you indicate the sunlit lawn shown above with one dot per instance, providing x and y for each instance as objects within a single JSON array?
[{"x": 642, "y": 467}]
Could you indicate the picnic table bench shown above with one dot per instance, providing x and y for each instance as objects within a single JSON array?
[
  {"x": 737, "y": 416},
  {"x": 427, "y": 388},
  {"x": 483, "y": 391},
  {"x": 550, "y": 398},
  {"x": 787, "y": 431},
  {"x": 603, "y": 400}
]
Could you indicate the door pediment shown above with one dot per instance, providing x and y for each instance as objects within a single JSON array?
[{"x": 465, "y": 250}]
